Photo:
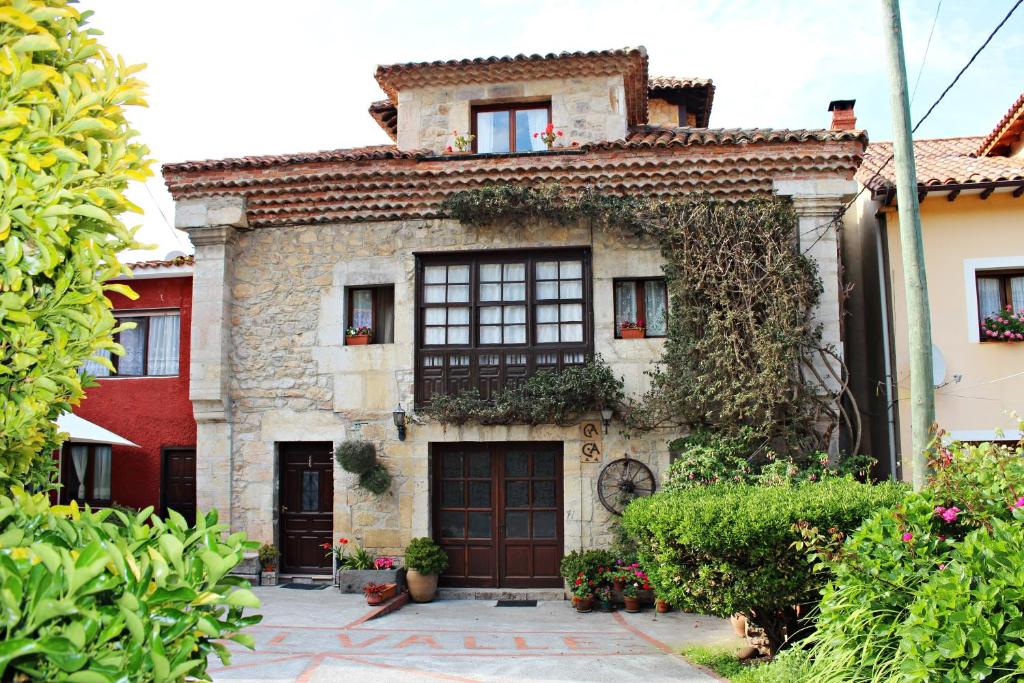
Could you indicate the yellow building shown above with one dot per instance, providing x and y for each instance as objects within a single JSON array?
[{"x": 972, "y": 217}]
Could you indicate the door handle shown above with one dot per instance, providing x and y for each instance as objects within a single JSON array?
[{"x": 284, "y": 508}]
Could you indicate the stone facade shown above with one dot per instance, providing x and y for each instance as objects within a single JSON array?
[
  {"x": 590, "y": 109},
  {"x": 274, "y": 306}
]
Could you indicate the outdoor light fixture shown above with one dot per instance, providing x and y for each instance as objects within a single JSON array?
[
  {"x": 606, "y": 418},
  {"x": 399, "y": 416}
]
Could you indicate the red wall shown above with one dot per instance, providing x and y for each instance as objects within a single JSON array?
[{"x": 153, "y": 412}]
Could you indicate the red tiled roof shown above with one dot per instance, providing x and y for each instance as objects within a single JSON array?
[
  {"x": 385, "y": 113},
  {"x": 350, "y": 154},
  {"x": 630, "y": 62},
  {"x": 166, "y": 263},
  {"x": 338, "y": 186},
  {"x": 1009, "y": 128},
  {"x": 940, "y": 162},
  {"x": 675, "y": 82}
]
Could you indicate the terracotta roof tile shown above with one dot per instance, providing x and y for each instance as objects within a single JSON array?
[
  {"x": 370, "y": 152},
  {"x": 675, "y": 82},
  {"x": 631, "y": 62},
  {"x": 940, "y": 162},
  {"x": 163, "y": 263},
  {"x": 1009, "y": 128},
  {"x": 331, "y": 187},
  {"x": 385, "y": 113}
]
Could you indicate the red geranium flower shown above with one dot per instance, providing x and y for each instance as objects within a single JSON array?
[
  {"x": 448, "y": 148},
  {"x": 343, "y": 541},
  {"x": 559, "y": 133},
  {"x": 550, "y": 127}
]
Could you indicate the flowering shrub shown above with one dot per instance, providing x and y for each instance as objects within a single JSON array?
[
  {"x": 729, "y": 548},
  {"x": 461, "y": 142},
  {"x": 1004, "y": 326},
  {"x": 588, "y": 562},
  {"x": 583, "y": 586},
  {"x": 549, "y": 135},
  {"x": 932, "y": 589},
  {"x": 384, "y": 563},
  {"x": 359, "y": 559},
  {"x": 362, "y": 331},
  {"x": 632, "y": 324}
]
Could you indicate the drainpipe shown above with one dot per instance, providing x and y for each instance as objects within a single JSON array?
[{"x": 883, "y": 298}]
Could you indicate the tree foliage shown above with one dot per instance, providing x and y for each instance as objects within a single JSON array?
[{"x": 67, "y": 153}]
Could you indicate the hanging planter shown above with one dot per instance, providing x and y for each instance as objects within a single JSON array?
[{"x": 1004, "y": 326}]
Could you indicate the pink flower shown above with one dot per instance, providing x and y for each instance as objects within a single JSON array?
[
  {"x": 536, "y": 134},
  {"x": 908, "y": 537},
  {"x": 942, "y": 566},
  {"x": 559, "y": 133},
  {"x": 950, "y": 514},
  {"x": 1019, "y": 503}
]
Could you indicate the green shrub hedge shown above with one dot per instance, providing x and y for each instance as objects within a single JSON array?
[
  {"x": 586, "y": 562},
  {"x": 729, "y": 548},
  {"x": 85, "y": 599}
]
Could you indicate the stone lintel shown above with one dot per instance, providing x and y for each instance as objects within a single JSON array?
[
  {"x": 819, "y": 197},
  {"x": 204, "y": 212}
]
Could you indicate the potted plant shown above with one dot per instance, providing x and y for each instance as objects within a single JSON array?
[
  {"x": 661, "y": 606},
  {"x": 268, "y": 564},
  {"x": 1004, "y": 326},
  {"x": 632, "y": 329},
  {"x": 461, "y": 143},
  {"x": 583, "y": 591},
  {"x": 374, "y": 593},
  {"x": 605, "y": 598},
  {"x": 358, "y": 336},
  {"x": 549, "y": 135},
  {"x": 355, "y": 567},
  {"x": 424, "y": 562},
  {"x": 631, "y": 596}
]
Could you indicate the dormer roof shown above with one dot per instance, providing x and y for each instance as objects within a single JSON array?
[
  {"x": 1009, "y": 129},
  {"x": 696, "y": 93},
  {"x": 630, "y": 62}
]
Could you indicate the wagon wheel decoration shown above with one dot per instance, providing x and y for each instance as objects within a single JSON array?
[{"x": 623, "y": 480}]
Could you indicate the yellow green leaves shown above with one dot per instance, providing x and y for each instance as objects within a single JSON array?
[{"x": 35, "y": 42}]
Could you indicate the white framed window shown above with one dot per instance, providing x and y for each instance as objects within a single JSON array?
[
  {"x": 151, "y": 349},
  {"x": 986, "y": 281}
]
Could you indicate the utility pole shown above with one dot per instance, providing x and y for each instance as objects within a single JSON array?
[{"x": 919, "y": 327}]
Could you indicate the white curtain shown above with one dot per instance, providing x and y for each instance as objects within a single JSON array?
[
  {"x": 528, "y": 122},
  {"x": 362, "y": 308},
  {"x": 547, "y": 324},
  {"x": 654, "y": 304},
  {"x": 130, "y": 364},
  {"x": 1017, "y": 290},
  {"x": 989, "y": 301},
  {"x": 101, "y": 473},
  {"x": 164, "y": 334},
  {"x": 492, "y": 132},
  {"x": 94, "y": 368},
  {"x": 80, "y": 459},
  {"x": 625, "y": 303}
]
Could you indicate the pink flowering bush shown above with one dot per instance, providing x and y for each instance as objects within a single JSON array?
[{"x": 1003, "y": 326}]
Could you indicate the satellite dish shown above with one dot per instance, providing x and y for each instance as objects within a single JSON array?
[{"x": 938, "y": 367}]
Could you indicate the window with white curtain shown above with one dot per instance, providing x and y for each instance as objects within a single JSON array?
[
  {"x": 642, "y": 301},
  {"x": 151, "y": 349},
  {"x": 85, "y": 474},
  {"x": 373, "y": 307},
  {"x": 510, "y": 127},
  {"x": 997, "y": 290}
]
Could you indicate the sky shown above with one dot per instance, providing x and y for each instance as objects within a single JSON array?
[{"x": 241, "y": 77}]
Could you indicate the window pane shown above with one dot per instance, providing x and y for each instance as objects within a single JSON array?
[
  {"x": 571, "y": 270},
  {"x": 547, "y": 314},
  {"x": 517, "y": 494},
  {"x": 514, "y": 292},
  {"x": 453, "y": 524},
  {"x": 132, "y": 341},
  {"x": 544, "y": 494},
  {"x": 434, "y": 294},
  {"x": 544, "y": 465},
  {"x": 458, "y": 293},
  {"x": 515, "y": 334},
  {"x": 571, "y": 312},
  {"x": 164, "y": 334},
  {"x": 490, "y": 292},
  {"x": 547, "y": 270},
  {"x": 458, "y": 274},
  {"x": 571, "y": 289},
  {"x": 458, "y": 335},
  {"x": 1017, "y": 292},
  {"x": 311, "y": 491},
  {"x": 517, "y": 525},
  {"x": 547, "y": 290},
  {"x": 528, "y": 122},
  {"x": 654, "y": 304},
  {"x": 479, "y": 494},
  {"x": 362, "y": 308},
  {"x": 458, "y": 316},
  {"x": 451, "y": 493},
  {"x": 451, "y": 465},
  {"x": 435, "y": 316},
  {"x": 490, "y": 272},
  {"x": 517, "y": 464},
  {"x": 479, "y": 464},
  {"x": 492, "y": 132},
  {"x": 515, "y": 314},
  {"x": 547, "y": 334},
  {"x": 515, "y": 272},
  {"x": 94, "y": 368},
  {"x": 434, "y": 335},
  {"x": 572, "y": 333},
  {"x": 545, "y": 525},
  {"x": 490, "y": 334},
  {"x": 434, "y": 274},
  {"x": 101, "y": 473},
  {"x": 625, "y": 303},
  {"x": 989, "y": 299},
  {"x": 490, "y": 315},
  {"x": 479, "y": 524}
]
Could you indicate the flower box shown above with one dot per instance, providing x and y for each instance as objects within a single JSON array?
[
  {"x": 353, "y": 580},
  {"x": 357, "y": 340},
  {"x": 633, "y": 333}
]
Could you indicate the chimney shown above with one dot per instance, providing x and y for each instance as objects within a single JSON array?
[{"x": 843, "y": 117}]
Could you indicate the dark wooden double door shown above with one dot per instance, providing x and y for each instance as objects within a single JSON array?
[
  {"x": 498, "y": 513},
  {"x": 306, "y": 500}
]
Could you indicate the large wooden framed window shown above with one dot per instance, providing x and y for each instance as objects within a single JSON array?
[
  {"x": 488, "y": 319},
  {"x": 997, "y": 290},
  {"x": 643, "y": 299},
  {"x": 151, "y": 349},
  {"x": 503, "y": 128}
]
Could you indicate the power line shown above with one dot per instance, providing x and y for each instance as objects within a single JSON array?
[
  {"x": 842, "y": 211},
  {"x": 170, "y": 227},
  {"x": 927, "y": 45}
]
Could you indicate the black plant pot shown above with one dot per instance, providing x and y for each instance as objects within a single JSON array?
[{"x": 606, "y": 606}]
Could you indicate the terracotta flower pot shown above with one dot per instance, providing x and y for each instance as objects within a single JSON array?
[
  {"x": 661, "y": 606},
  {"x": 585, "y": 604},
  {"x": 633, "y": 333},
  {"x": 617, "y": 586},
  {"x": 422, "y": 587},
  {"x": 632, "y": 604},
  {"x": 739, "y": 625},
  {"x": 357, "y": 340},
  {"x": 374, "y": 599}
]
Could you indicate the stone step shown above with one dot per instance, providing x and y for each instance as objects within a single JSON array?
[{"x": 541, "y": 594}]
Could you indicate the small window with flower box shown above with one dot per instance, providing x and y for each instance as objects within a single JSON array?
[
  {"x": 504, "y": 128},
  {"x": 1001, "y": 305},
  {"x": 641, "y": 308},
  {"x": 370, "y": 318}
]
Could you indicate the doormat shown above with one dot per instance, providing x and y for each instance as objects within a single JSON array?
[
  {"x": 516, "y": 603},
  {"x": 304, "y": 586}
]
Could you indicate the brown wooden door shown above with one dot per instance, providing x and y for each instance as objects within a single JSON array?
[
  {"x": 179, "y": 482},
  {"x": 498, "y": 513},
  {"x": 306, "y": 498}
]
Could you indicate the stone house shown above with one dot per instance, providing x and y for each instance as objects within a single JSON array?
[
  {"x": 291, "y": 250},
  {"x": 970, "y": 191}
]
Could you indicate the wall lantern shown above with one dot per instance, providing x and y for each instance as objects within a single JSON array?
[
  {"x": 399, "y": 415},
  {"x": 606, "y": 418}
]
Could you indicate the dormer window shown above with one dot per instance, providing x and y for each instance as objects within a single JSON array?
[{"x": 503, "y": 128}]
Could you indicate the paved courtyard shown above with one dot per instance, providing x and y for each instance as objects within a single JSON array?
[{"x": 319, "y": 635}]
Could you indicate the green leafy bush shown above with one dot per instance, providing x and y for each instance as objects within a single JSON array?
[
  {"x": 85, "y": 599},
  {"x": 356, "y": 456},
  {"x": 548, "y": 397},
  {"x": 376, "y": 480},
  {"x": 425, "y": 556},
  {"x": 587, "y": 562},
  {"x": 67, "y": 154},
  {"x": 268, "y": 555},
  {"x": 728, "y": 548},
  {"x": 932, "y": 589}
]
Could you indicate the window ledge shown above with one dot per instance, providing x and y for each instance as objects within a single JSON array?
[
  {"x": 457, "y": 156},
  {"x": 103, "y": 379}
]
